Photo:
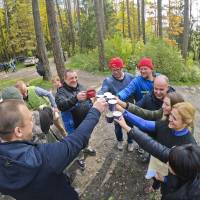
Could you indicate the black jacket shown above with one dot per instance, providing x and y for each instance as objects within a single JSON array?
[
  {"x": 178, "y": 189},
  {"x": 66, "y": 101},
  {"x": 150, "y": 102}
]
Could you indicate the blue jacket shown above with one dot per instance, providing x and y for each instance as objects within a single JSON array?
[
  {"x": 137, "y": 87},
  {"x": 31, "y": 171},
  {"x": 111, "y": 84}
]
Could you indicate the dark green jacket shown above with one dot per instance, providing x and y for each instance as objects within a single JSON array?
[{"x": 145, "y": 114}]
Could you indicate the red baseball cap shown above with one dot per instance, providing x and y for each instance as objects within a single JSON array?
[
  {"x": 146, "y": 62},
  {"x": 116, "y": 63}
]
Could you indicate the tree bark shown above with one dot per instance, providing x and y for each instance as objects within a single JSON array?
[
  {"x": 79, "y": 23},
  {"x": 64, "y": 35},
  {"x": 101, "y": 7},
  {"x": 138, "y": 14},
  {"x": 99, "y": 35},
  {"x": 70, "y": 23},
  {"x": 186, "y": 29},
  {"x": 128, "y": 18},
  {"x": 143, "y": 21},
  {"x": 123, "y": 19},
  {"x": 41, "y": 48},
  {"x": 55, "y": 38},
  {"x": 159, "y": 9}
]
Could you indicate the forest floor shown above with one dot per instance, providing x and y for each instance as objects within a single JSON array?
[{"x": 111, "y": 174}]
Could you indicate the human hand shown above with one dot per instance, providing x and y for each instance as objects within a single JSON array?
[
  {"x": 121, "y": 103},
  {"x": 100, "y": 104},
  {"x": 119, "y": 108},
  {"x": 55, "y": 110},
  {"x": 159, "y": 177},
  {"x": 81, "y": 96},
  {"x": 123, "y": 124}
]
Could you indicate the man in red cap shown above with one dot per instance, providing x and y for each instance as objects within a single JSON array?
[
  {"x": 114, "y": 84},
  {"x": 141, "y": 84}
]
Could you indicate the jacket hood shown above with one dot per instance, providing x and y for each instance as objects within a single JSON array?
[
  {"x": 189, "y": 191},
  {"x": 19, "y": 164}
]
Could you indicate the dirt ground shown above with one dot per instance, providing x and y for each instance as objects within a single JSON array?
[{"x": 112, "y": 174}]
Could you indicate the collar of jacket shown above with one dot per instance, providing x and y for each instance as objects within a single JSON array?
[
  {"x": 182, "y": 132},
  {"x": 71, "y": 88}
]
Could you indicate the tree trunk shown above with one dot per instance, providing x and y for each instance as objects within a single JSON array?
[
  {"x": 143, "y": 21},
  {"x": 70, "y": 23},
  {"x": 55, "y": 38},
  {"x": 99, "y": 35},
  {"x": 138, "y": 14},
  {"x": 128, "y": 18},
  {"x": 123, "y": 19},
  {"x": 7, "y": 23},
  {"x": 41, "y": 48},
  {"x": 159, "y": 8},
  {"x": 64, "y": 35},
  {"x": 79, "y": 24},
  {"x": 101, "y": 6},
  {"x": 186, "y": 29}
]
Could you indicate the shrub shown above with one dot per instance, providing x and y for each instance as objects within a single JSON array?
[
  {"x": 119, "y": 47},
  {"x": 87, "y": 61},
  {"x": 166, "y": 58}
]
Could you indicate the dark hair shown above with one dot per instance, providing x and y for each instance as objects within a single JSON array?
[
  {"x": 68, "y": 71},
  {"x": 12, "y": 117},
  {"x": 175, "y": 98},
  {"x": 185, "y": 161}
]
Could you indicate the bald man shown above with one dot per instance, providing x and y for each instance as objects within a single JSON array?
[{"x": 154, "y": 100}]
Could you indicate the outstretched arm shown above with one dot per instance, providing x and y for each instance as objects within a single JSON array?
[
  {"x": 145, "y": 114},
  {"x": 144, "y": 125},
  {"x": 150, "y": 145}
]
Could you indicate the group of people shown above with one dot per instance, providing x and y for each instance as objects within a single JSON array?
[{"x": 154, "y": 115}]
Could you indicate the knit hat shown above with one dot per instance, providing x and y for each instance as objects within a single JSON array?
[
  {"x": 146, "y": 62},
  {"x": 11, "y": 93},
  {"x": 116, "y": 63}
]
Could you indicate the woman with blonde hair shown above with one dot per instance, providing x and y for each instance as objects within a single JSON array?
[{"x": 172, "y": 132}]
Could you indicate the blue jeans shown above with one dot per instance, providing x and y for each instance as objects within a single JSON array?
[{"x": 119, "y": 134}]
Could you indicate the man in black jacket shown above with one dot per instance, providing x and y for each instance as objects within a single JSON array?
[
  {"x": 72, "y": 101},
  {"x": 154, "y": 100}
]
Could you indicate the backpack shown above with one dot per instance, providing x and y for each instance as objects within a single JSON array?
[{"x": 40, "y": 69}]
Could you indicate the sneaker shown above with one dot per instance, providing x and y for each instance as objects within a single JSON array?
[
  {"x": 140, "y": 150},
  {"x": 89, "y": 151},
  {"x": 145, "y": 157},
  {"x": 130, "y": 147},
  {"x": 81, "y": 163},
  {"x": 120, "y": 145}
]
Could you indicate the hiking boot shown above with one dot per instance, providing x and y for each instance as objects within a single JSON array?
[
  {"x": 130, "y": 147},
  {"x": 81, "y": 164},
  {"x": 145, "y": 157},
  {"x": 89, "y": 151},
  {"x": 120, "y": 145}
]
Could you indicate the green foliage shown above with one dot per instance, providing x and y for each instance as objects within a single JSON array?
[
  {"x": 191, "y": 74},
  {"x": 119, "y": 47},
  {"x": 41, "y": 83},
  {"x": 36, "y": 82},
  {"x": 166, "y": 58},
  {"x": 87, "y": 61},
  {"x": 195, "y": 44}
]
